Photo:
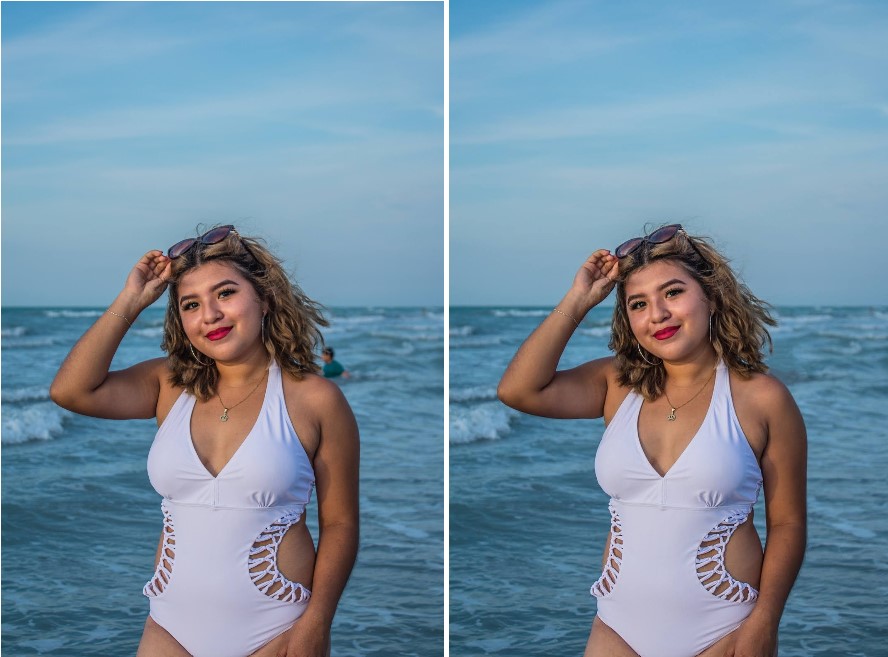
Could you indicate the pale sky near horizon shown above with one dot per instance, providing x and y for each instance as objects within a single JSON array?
[
  {"x": 318, "y": 126},
  {"x": 761, "y": 124}
]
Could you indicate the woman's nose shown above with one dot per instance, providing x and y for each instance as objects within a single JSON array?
[
  {"x": 659, "y": 311},
  {"x": 211, "y": 312}
]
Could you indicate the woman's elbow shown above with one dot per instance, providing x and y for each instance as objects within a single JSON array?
[
  {"x": 508, "y": 395},
  {"x": 64, "y": 396},
  {"x": 58, "y": 394}
]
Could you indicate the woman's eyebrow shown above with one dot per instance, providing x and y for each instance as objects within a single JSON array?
[
  {"x": 212, "y": 289},
  {"x": 661, "y": 287}
]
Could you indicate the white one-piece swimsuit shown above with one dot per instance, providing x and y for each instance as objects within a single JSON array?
[
  {"x": 211, "y": 590},
  {"x": 664, "y": 587}
]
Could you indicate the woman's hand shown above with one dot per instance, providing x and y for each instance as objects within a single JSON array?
[
  {"x": 307, "y": 638},
  {"x": 595, "y": 279},
  {"x": 754, "y": 638},
  {"x": 148, "y": 279}
]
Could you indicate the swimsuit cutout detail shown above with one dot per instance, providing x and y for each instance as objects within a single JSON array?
[
  {"x": 664, "y": 587},
  {"x": 217, "y": 589}
]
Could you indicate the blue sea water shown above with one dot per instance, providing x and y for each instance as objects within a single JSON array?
[
  {"x": 528, "y": 521},
  {"x": 80, "y": 520}
]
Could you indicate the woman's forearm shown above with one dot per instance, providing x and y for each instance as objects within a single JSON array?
[
  {"x": 784, "y": 553},
  {"x": 87, "y": 365},
  {"x": 534, "y": 365},
  {"x": 337, "y": 550}
]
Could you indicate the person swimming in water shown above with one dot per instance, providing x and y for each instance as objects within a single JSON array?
[{"x": 333, "y": 368}]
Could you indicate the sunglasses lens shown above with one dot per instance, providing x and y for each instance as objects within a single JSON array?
[
  {"x": 216, "y": 235},
  {"x": 628, "y": 247},
  {"x": 179, "y": 248},
  {"x": 664, "y": 234}
]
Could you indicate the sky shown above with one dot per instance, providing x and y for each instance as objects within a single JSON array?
[
  {"x": 576, "y": 125},
  {"x": 317, "y": 126}
]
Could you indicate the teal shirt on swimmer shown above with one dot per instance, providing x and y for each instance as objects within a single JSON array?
[{"x": 333, "y": 369}]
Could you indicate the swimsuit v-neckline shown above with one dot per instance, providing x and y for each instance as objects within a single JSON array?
[
  {"x": 693, "y": 439},
  {"x": 242, "y": 443}
]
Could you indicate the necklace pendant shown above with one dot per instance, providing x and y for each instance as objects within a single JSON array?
[
  {"x": 671, "y": 416},
  {"x": 224, "y": 416}
]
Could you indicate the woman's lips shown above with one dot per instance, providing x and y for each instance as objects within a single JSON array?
[
  {"x": 219, "y": 333},
  {"x": 666, "y": 333}
]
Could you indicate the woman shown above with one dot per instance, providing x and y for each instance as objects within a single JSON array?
[
  {"x": 246, "y": 428},
  {"x": 695, "y": 427}
]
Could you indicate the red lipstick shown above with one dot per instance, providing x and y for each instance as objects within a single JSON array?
[
  {"x": 666, "y": 333},
  {"x": 219, "y": 333}
]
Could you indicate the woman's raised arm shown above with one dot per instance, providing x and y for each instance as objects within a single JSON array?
[
  {"x": 531, "y": 383},
  {"x": 83, "y": 383}
]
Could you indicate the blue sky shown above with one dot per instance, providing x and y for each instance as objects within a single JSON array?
[
  {"x": 761, "y": 124},
  {"x": 319, "y": 126}
]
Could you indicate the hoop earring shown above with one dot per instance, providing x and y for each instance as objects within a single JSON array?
[
  {"x": 710, "y": 327},
  {"x": 194, "y": 354},
  {"x": 641, "y": 353},
  {"x": 263, "y": 328}
]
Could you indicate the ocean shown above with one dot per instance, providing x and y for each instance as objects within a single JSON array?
[
  {"x": 528, "y": 521},
  {"x": 80, "y": 520}
]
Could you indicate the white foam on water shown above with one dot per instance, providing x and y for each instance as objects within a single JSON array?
[
  {"x": 150, "y": 332},
  {"x": 489, "y": 421},
  {"x": 521, "y": 313},
  {"x": 42, "y": 421},
  {"x": 356, "y": 319},
  {"x": 473, "y": 393},
  {"x": 73, "y": 313},
  {"x": 462, "y": 330},
  {"x": 13, "y": 331},
  {"x": 27, "y": 343},
  {"x": 596, "y": 331},
  {"x": 28, "y": 393}
]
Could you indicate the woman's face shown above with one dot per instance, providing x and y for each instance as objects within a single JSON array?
[
  {"x": 221, "y": 312},
  {"x": 668, "y": 311}
]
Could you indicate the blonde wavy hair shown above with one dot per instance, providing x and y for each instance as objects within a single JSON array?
[
  {"x": 739, "y": 335},
  {"x": 291, "y": 325}
]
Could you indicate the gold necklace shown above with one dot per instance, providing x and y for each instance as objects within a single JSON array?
[
  {"x": 671, "y": 416},
  {"x": 225, "y": 409}
]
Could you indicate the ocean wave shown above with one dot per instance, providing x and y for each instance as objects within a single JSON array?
[
  {"x": 596, "y": 331},
  {"x": 473, "y": 393},
  {"x": 476, "y": 341},
  {"x": 804, "y": 319},
  {"x": 150, "y": 332},
  {"x": 29, "y": 393},
  {"x": 489, "y": 421},
  {"x": 41, "y": 421},
  {"x": 521, "y": 313},
  {"x": 13, "y": 331},
  {"x": 405, "y": 349},
  {"x": 73, "y": 313},
  {"x": 27, "y": 343},
  {"x": 357, "y": 319},
  {"x": 461, "y": 330},
  {"x": 423, "y": 337}
]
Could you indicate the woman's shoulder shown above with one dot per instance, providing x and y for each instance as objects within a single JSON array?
[
  {"x": 311, "y": 390},
  {"x": 763, "y": 395},
  {"x": 764, "y": 387}
]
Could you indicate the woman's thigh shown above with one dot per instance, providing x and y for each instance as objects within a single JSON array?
[
  {"x": 604, "y": 642},
  {"x": 157, "y": 642}
]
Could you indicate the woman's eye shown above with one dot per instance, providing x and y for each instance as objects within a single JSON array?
[
  {"x": 674, "y": 292},
  {"x": 226, "y": 292},
  {"x": 636, "y": 305},
  {"x": 189, "y": 305}
]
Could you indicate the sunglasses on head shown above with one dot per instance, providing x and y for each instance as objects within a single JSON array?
[
  {"x": 213, "y": 236},
  {"x": 659, "y": 236}
]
